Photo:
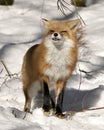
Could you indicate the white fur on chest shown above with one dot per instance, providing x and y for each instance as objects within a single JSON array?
[{"x": 59, "y": 60}]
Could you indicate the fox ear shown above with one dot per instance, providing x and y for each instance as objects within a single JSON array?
[
  {"x": 74, "y": 24},
  {"x": 45, "y": 21}
]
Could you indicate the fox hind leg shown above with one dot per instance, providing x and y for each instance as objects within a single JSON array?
[{"x": 28, "y": 99}]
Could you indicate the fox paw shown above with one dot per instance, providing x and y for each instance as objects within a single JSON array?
[
  {"x": 60, "y": 115},
  {"x": 49, "y": 112},
  {"x": 27, "y": 110}
]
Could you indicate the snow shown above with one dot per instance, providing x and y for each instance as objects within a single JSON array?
[{"x": 20, "y": 28}]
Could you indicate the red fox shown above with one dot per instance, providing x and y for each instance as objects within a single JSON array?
[{"x": 53, "y": 60}]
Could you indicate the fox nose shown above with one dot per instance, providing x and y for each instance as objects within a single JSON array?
[{"x": 55, "y": 34}]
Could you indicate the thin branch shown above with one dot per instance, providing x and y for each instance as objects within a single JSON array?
[
  {"x": 62, "y": 5},
  {"x": 76, "y": 11},
  {"x": 7, "y": 76},
  {"x": 70, "y": 114},
  {"x": 90, "y": 109},
  {"x": 4, "y": 82},
  {"x": 91, "y": 73},
  {"x": 8, "y": 72}
]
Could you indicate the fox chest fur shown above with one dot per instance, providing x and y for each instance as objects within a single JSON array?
[{"x": 61, "y": 60}]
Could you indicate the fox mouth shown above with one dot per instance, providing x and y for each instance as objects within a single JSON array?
[{"x": 56, "y": 39}]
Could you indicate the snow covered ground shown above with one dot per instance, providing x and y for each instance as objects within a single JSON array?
[{"x": 20, "y": 28}]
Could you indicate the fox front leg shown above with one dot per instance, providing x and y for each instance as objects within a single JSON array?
[
  {"x": 48, "y": 102},
  {"x": 60, "y": 86}
]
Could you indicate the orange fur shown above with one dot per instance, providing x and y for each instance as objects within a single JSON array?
[{"x": 39, "y": 64}]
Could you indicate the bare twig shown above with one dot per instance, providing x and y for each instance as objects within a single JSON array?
[
  {"x": 8, "y": 72},
  {"x": 91, "y": 109},
  {"x": 7, "y": 76},
  {"x": 4, "y": 82},
  {"x": 68, "y": 114},
  {"x": 91, "y": 73},
  {"x": 77, "y": 14},
  {"x": 63, "y": 5}
]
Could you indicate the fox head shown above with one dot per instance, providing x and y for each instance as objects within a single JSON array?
[{"x": 59, "y": 32}]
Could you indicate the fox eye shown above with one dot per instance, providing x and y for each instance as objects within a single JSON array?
[
  {"x": 64, "y": 31},
  {"x": 52, "y": 31}
]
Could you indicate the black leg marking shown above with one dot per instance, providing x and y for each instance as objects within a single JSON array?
[
  {"x": 59, "y": 103},
  {"x": 46, "y": 97},
  {"x": 52, "y": 103}
]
